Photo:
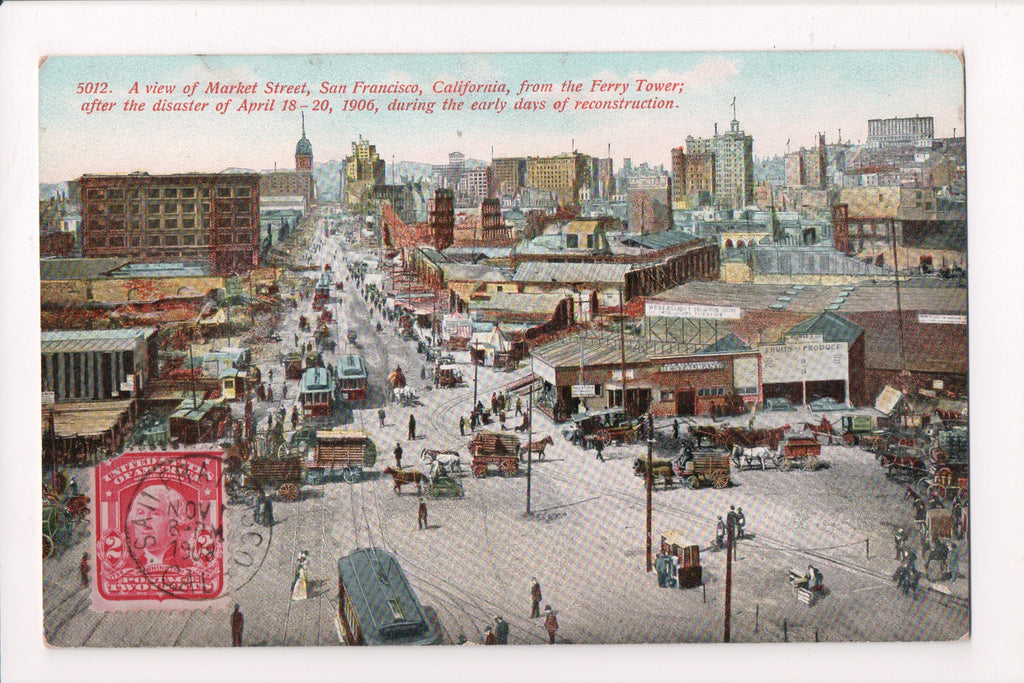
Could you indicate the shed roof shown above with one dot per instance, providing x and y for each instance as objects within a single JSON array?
[
  {"x": 831, "y": 326},
  {"x": 77, "y": 268},
  {"x": 78, "y": 341},
  {"x": 562, "y": 271},
  {"x": 659, "y": 240}
]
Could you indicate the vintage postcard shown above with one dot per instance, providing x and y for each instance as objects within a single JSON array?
[{"x": 504, "y": 349}]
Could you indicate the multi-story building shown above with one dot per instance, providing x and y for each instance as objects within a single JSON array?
[
  {"x": 734, "y": 165},
  {"x": 563, "y": 175},
  {"x": 441, "y": 212},
  {"x": 807, "y": 167},
  {"x": 364, "y": 171},
  {"x": 693, "y": 179},
  {"x": 911, "y": 131},
  {"x": 605, "y": 174},
  {"x": 508, "y": 175},
  {"x": 473, "y": 186},
  {"x": 650, "y": 204},
  {"x": 180, "y": 217},
  {"x": 280, "y": 187}
]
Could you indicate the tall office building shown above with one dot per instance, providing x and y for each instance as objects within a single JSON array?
[{"x": 734, "y": 164}]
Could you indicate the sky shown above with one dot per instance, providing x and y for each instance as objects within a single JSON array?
[{"x": 781, "y": 97}]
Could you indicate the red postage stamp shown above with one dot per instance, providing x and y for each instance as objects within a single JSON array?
[{"x": 159, "y": 531}]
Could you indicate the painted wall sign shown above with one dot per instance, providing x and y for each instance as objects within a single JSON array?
[
  {"x": 666, "y": 309},
  {"x": 693, "y": 366},
  {"x": 804, "y": 362},
  {"x": 935, "y": 319}
]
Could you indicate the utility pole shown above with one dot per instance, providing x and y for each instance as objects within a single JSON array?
[
  {"x": 529, "y": 450},
  {"x": 728, "y": 584},
  {"x": 622, "y": 346},
  {"x": 650, "y": 483}
]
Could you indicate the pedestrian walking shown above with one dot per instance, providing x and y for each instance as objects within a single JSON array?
[
  {"x": 501, "y": 420},
  {"x": 398, "y": 456},
  {"x": 237, "y": 623},
  {"x": 599, "y": 446},
  {"x": 550, "y": 623},
  {"x": 535, "y": 598},
  {"x": 83, "y": 569},
  {"x": 472, "y": 421},
  {"x": 381, "y": 415},
  {"x": 421, "y": 517},
  {"x": 423, "y": 372},
  {"x": 270, "y": 421},
  {"x": 675, "y": 429},
  {"x": 489, "y": 637},
  {"x": 412, "y": 427},
  {"x": 268, "y": 513},
  {"x": 270, "y": 375},
  {"x": 730, "y": 524},
  {"x": 462, "y": 425},
  {"x": 500, "y": 629},
  {"x": 720, "y": 533},
  {"x": 300, "y": 584},
  {"x": 261, "y": 392},
  {"x": 295, "y": 418},
  {"x": 519, "y": 405},
  {"x": 270, "y": 393},
  {"x": 741, "y": 523},
  {"x": 296, "y": 339}
]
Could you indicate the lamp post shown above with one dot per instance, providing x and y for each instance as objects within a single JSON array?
[{"x": 529, "y": 450}]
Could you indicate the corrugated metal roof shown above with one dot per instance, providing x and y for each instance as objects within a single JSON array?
[
  {"x": 561, "y": 271},
  {"x": 473, "y": 273},
  {"x": 144, "y": 270},
  {"x": 811, "y": 261},
  {"x": 77, "y": 268},
  {"x": 659, "y": 240},
  {"x": 516, "y": 302},
  {"x": 78, "y": 341},
  {"x": 730, "y": 343}
]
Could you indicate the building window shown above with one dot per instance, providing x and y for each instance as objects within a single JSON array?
[
  {"x": 171, "y": 240},
  {"x": 711, "y": 391},
  {"x": 223, "y": 191},
  {"x": 668, "y": 395},
  {"x": 189, "y": 240},
  {"x": 188, "y": 192},
  {"x": 153, "y": 241},
  {"x": 242, "y": 191},
  {"x": 153, "y": 193},
  {"x": 153, "y": 224}
]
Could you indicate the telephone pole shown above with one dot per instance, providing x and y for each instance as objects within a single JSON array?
[
  {"x": 728, "y": 584},
  {"x": 529, "y": 449},
  {"x": 650, "y": 483}
]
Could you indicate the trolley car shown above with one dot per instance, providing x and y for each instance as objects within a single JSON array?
[
  {"x": 318, "y": 392},
  {"x": 377, "y": 605},
  {"x": 322, "y": 291},
  {"x": 352, "y": 374}
]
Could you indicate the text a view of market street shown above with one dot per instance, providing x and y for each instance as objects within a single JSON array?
[{"x": 701, "y": 383}]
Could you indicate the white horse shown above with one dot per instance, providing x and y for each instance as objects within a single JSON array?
[
  {"x": 759, "y": 456},
  {"x": 442, "y": 462}
]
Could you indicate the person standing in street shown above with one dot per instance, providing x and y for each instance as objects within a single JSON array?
[
  {"x": 599, "y": 446},
  {"x": 421, "y": 517},
  {"x": 381, "y": 415},
  {"x": 741, "y": 523},
  {"x": 83, "y": 569},
  {"x": 500, "y": 630},
  {"x": 489, "y": 637},
  {"x": 412, "y": 427},
  {"x": 519, "y": 405},
  {"x": 720, "y": 533},
  {"x": 730, "y": 524},
  {"x": 462, "y": 425},
  {"x": 237, "y": 623},
  {"x": 550, "y": 623},
  {"x": 268, "y": 513},
  {"x": 535, "y": 598},
  {"x": 300, "y": 584},
  {"x": 398, "y": 456},
  {"x": 295, "y": 418},
  {"x": 675, "y": 429}
]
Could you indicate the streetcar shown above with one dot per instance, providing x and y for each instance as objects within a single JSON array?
[
  {"x": 322, "y": 291},
  {"x": 377, "y": 605},
  {"x": 318, "y": 392},
  {"x": 352, "y": 375}
]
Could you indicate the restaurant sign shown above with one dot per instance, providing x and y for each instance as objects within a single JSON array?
[{"x": 693, "y": 366}]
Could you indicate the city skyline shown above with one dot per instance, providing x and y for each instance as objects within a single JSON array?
[{"x": 780, "y": 97}]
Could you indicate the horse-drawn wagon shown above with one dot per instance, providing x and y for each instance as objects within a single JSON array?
[
  {"x": 343, "y": 452},
  {"x": 798, "y": 451},
  {"x": 281, "y": 475},
  {"x": 448, "y": 376},
  {"x": 293, "y": 365},
  {"x": 704, "y": 468},
  {"x": 495, "y": 448}
]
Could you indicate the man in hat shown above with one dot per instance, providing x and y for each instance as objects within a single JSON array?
[
  {"x": 550, "y": 623},
  {"x": 489, "y": 637},
  {"x": 381, "y": 415},
  {"x": 462, "y": 425},
  {"x": 237, "y": 623},
  {"x": 720, "y": 533},
  {"x": 599, "y": 446},
  {"x": 535, "y": 597},
  {"x": 741, "y": 522},
  {"x": 500, "y": 630},
  {"x": 268, "y": 512},
  {"x": 398, "y": 456},
  {"x": 412, "y": 427}
]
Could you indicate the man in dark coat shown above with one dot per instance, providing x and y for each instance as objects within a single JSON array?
[
  {"x": 381, "y": 415},
  {"x": 730, "y": 523},
  {"x": 501, "y": 630},
  {"x": 237, "y": 623},
  {"x": 550, "y": 624},
  {"x": 599, "y": 445},
  {"x": 268, "y": 513},
  {"x": 462, "y": 425},
  {"x": 535, "y": 598},
  {"x": 412, "y": 427},
  {"x": 398, "y": 456}
]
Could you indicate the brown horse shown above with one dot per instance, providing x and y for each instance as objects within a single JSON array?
[
  {"x": 402, "y": 477},
  {"x": 537, "y": 447}
]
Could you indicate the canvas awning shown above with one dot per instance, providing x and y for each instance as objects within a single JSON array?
[{"x": 888, "y": 400}]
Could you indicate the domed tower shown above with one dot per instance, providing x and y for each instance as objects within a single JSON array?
[{"x": 304, "y": 151}]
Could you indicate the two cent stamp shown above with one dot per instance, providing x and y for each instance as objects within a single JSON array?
[{"x": 159, "y": 531}]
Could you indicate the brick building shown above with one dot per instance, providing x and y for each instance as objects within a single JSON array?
[{"x": 178, "y": 217}]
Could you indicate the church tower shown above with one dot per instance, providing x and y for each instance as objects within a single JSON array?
[{"x": 304, "y": 151}]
